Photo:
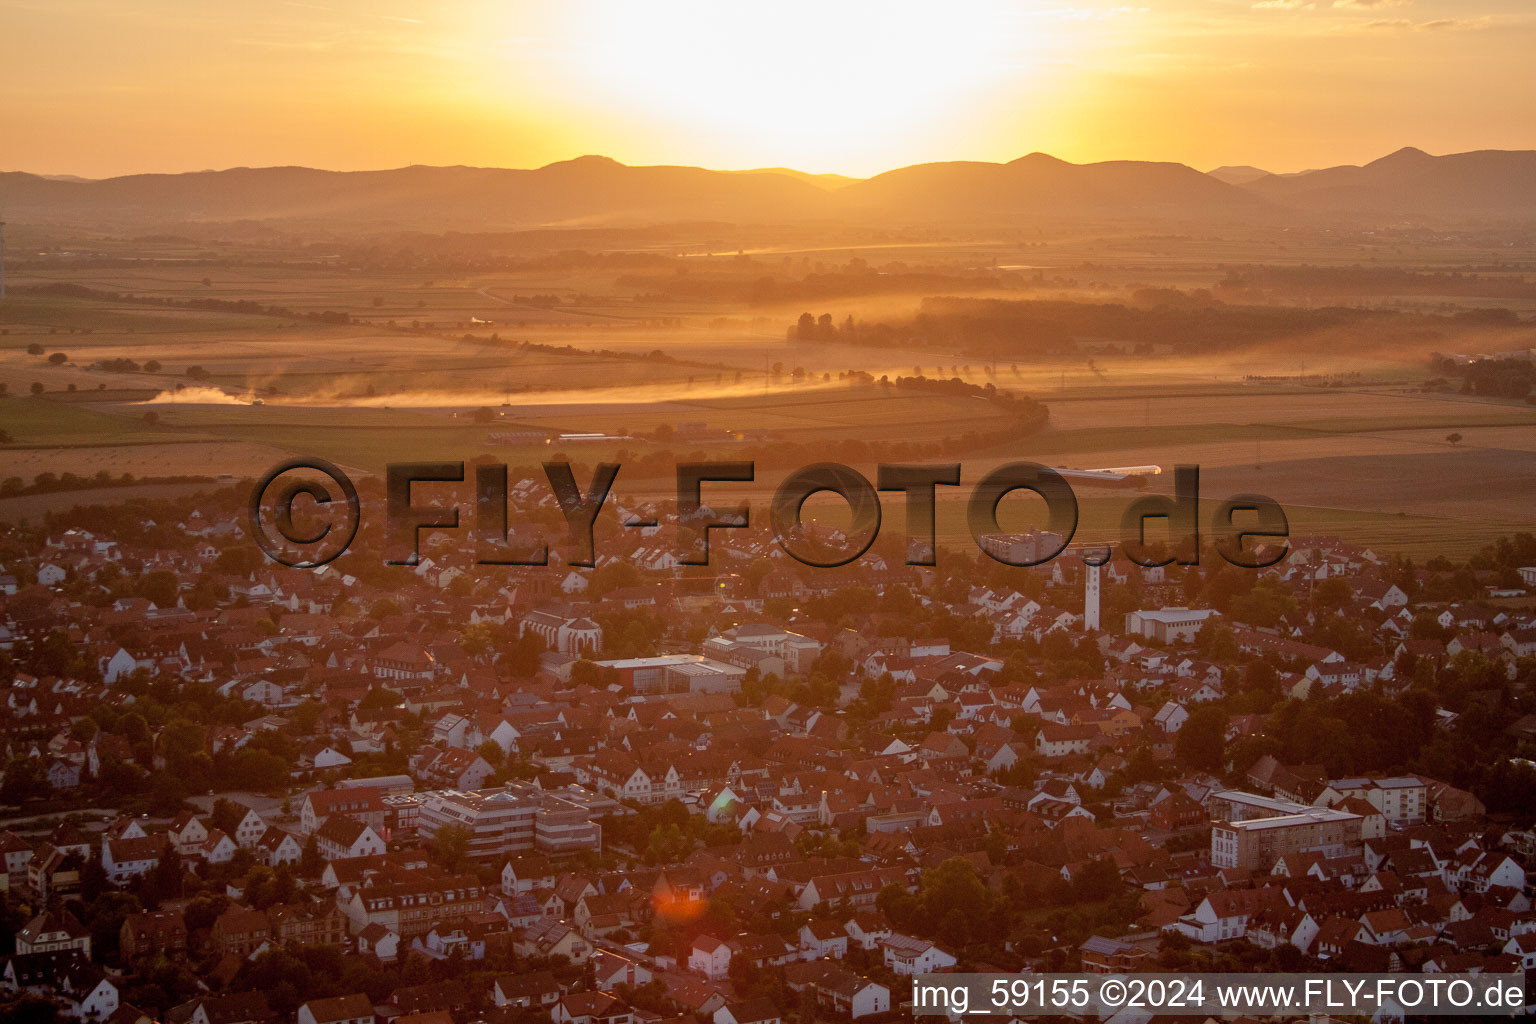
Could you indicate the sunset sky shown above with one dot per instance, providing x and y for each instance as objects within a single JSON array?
[{"x": 102, "y": 87}]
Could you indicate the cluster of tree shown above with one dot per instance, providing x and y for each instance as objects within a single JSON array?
[
  {"x": 746, "y": 283},
  {"x": 631, "y": 632},
  {"x": 1200, "y": 743},
  {"x": 1370, "y": 731},
  {"x": 1498, "y": 378},
  {"x": 953, "y": 905},
  {"x": 1505, "y": 553},
  {"x": 126, "y": 365},
  {"x": 26, "y": 779},
  {"x": 52, "y": 654},
  {"x": 1310, "y": 280},
  {"x": 515, "y": 653},
  {"x": 26, "y": 1008},
  {"x": 146, "y": 522},
  {"x": 290, "y": 977},
  {"x": 1032, "y": 328},
  {"x": 166, "y": 725},
  {"x": 665, "y": 833},
  {"x": 655, "y": 355}
]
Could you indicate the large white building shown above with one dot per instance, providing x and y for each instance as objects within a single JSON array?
[
  {"x": 1401, "y": 800},
  {"x": 1170, "y": 625},
  {"x": 760, "y": 644},
  {"x": 675, "y": 673},
  {"x": 904, "y": 954},
  {"x": 1020, "y": 548},
  {"x": 503, "y": 821},
  {"x": 567, "y": 635}
]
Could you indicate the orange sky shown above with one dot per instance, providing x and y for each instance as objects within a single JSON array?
[{"x": 100, "y": 87}]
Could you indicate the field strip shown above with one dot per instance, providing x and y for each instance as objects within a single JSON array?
[{"x": 108, "y": 443}]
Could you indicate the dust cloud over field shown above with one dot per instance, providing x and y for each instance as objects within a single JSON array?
[
  {"x": 198, "y": 396},
  {"x": 346, "y": 397}
]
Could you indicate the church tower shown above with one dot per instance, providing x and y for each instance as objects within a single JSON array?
[{"x": 1091, "y": 598}]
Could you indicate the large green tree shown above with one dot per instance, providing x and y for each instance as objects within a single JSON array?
[{"x": 1201, "y": 743}]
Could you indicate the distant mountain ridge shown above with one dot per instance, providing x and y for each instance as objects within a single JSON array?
[
  {"x": 594, "y": 191},
  {"x": 1240, "y": 174},
  {"x": 1041, "y": 184},
  {"x": 1484, "y": 183},
  {"x": 586, "y": 190}
]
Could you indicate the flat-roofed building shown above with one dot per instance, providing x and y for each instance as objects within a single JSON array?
[
  {"x": 1254, "y": 844},
  {"x": 401, "y": 812},
  {"x": 706, "y": 676},
  {"x": 1238, "y": 805},
  {"x": 1170, "y": 625},
  {"x": 675, "y": 673},
  {"x": 646, "y": 675},
  {"x": 1401, "y": 800},
  {"x": 498, "y": 822},
  {"x": 386, "y": 784},
  {"x": 514, "y": 819},
  {"x": 564, "y": 827},
  {"x": 759, "y": 643},
  {"x": 1020, "y": 548}
]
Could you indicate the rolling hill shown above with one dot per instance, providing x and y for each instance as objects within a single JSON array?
[
  {"x": 594, "y": 191},
  {"x": 1038, "y": 184},
  {"x": 1238, "y": 174},
  {"x": 589, "y": 190},
  {"x": 1483, "y": 184}
]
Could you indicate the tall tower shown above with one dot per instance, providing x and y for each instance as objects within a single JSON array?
[
  {"x": 1091, "y": 598},
  {"x": 2, "y": 259}
]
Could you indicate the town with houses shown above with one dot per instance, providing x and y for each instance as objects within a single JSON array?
[{"x": 748, "y": 793}]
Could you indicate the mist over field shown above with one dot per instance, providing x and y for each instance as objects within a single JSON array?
[{"x": 1154, "y": 314}]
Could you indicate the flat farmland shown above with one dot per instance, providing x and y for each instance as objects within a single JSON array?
[
  {"x": 147, "y": 458},
  {"x": 309, "y": 361},
  {"x": 40, "y": 422},
  {"x": 1366, "y": 457},
  {"x": 1340, "y": 409},
  {"x": 369, "y": 436},
  {"x": 1420, "y": 535},
  {"x": 378, "y": 298},
  {"x": 27, "y": 319},
  {"x": 894, "y": 414},
  {"x": 33, "y": 508}
]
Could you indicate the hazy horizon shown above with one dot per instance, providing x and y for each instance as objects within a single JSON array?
[
  {"x": 763, "y": 169},
  {"x": 98, "y": 90}
]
